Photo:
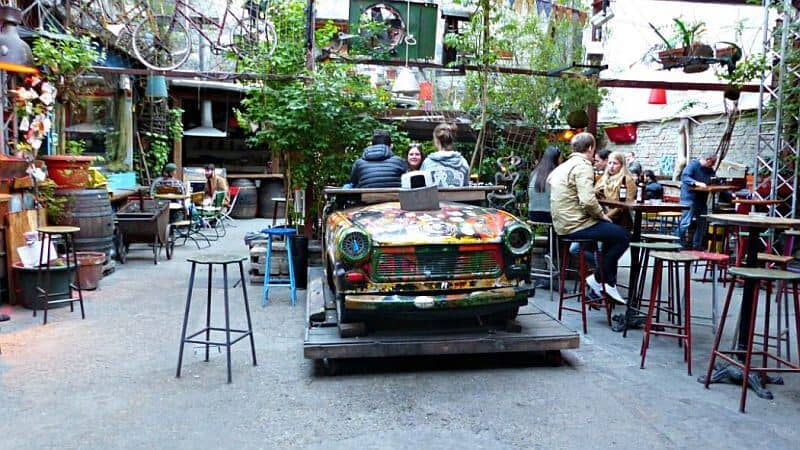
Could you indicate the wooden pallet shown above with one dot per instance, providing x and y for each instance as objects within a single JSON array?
[{"x": 533, "y": 330}]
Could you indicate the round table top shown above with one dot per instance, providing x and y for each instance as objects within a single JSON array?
[
  {"x": 217, "y": 258},
  {"x": 759, "y": 221},
  {"x": 58, "y": 229},
  {"x": 757, "y": 201}
]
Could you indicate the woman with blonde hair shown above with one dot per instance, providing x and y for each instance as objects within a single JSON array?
[{"x": 610, "y": 185}]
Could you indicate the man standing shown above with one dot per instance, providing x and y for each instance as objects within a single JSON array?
[
  {"x": 378, "y": 167},
  {"x": 697, "y": 174},
  {"x": 577, "y": 213},
  {"x": 634, "y": 166}
]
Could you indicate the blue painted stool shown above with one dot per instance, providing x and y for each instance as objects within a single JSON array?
[{"x": 286, "y": 233}]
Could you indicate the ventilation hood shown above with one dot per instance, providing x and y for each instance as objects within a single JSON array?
[{"x": 206, "y": 128}]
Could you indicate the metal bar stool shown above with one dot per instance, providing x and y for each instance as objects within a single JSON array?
[
  {"x": 550, "y": 259},
  {"x": 735, "y": 357},
  {"x": 286, "y": 233},
  {"x": 43, "y": 291},
  {"x": 683, "y": 329},
  {"x": 637, "y": 298},
  {"x": 583, "y": 272},
  {"x": 210, "y": 261}
]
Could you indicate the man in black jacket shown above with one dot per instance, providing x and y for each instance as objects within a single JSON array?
[{"x": 378, "y": 167}]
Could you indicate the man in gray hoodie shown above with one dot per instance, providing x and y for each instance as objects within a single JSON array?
[
  {"x": 378, "y": 167},
  {"x": 447, "y": 166}
]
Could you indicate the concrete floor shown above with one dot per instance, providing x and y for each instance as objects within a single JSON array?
[{"x": 109, "y": 382}]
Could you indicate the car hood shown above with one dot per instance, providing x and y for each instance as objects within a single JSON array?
[{"x": 454, "y": 223}]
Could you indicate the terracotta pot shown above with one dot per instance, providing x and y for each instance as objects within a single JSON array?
[
  {"x": 672, "y": 57},
  {"x": 68, "y": 170},
  {"x": 697, "y": 51}
]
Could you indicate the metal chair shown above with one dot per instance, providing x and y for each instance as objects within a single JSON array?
[{"x": 225, "y": 213}]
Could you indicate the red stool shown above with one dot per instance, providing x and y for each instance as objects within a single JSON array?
[
  {"x": 583, "y": 272},
  {"x": 758, "y": 275},
  {"x": 682, "y": 330}
]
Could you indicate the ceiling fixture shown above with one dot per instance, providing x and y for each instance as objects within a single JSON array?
[
  {"x": 206, "y": 128},
  {"x": 658, "y": 97},
  {"x": 406, "y": 82},
  {"x": 603, "y": 15}
]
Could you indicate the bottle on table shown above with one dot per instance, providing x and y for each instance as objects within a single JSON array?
[{"x": 623, "y": 191}]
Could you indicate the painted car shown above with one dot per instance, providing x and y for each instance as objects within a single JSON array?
[{"x": 455, "y": 262}]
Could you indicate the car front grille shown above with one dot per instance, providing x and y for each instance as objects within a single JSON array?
[{"x": 437, "y": 262}]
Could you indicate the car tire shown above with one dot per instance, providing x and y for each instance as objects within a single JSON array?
[{"x": 502, "y": 316}]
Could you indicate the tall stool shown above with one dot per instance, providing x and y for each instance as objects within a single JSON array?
[
  {"x": 277, "y": 201},
  {"x": 285, "y": 233},
  {"x": 747, "y": 353},
  {"x": 210, "y": 261},
  {"x": 550, "y": 259},
  {"x": 781, "y": 335},
  {"x": 682, "y": 330},
  {"x": 46, "y": 236},
  {"x": 637, "y": 298},
  {"x": 583, "y": 272}
]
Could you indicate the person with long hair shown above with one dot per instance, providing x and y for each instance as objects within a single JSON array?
[
  {"x": 653, "y": 189},
  {"x": 414, "y": 157},
  {"x": 447, "y": 166},
  {"x": 610, "y": 184},
  {"x": 538, "y": 190}
]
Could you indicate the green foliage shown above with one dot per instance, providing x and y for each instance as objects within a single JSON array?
[
  {"x": 63, "y": 61},
  {"x": 317, "y": 121},
  {"x": 157, "y": 152},
  {"x": 175, "y": 124},
  {"x": 750, "y": 68},
  {"x": 530, "y": 100},
  {"x": 684, "y": 34},
  {"x": 54, "y": 205},
  {"x": 76, "y": 147}
]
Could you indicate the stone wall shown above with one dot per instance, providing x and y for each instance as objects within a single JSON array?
[{"x": 657, "y": 143}]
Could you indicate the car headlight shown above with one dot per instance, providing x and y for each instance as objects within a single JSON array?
[
  {"x": 355, "y": 245},
  {"x": 518, "y": 239}
]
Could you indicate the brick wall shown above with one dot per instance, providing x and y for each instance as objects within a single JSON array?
[{"x": 657, "y": 143}]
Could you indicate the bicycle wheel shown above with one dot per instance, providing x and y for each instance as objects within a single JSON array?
[
  {"x": 254, "y": 37},
  {"x": 161, "y": 42}
]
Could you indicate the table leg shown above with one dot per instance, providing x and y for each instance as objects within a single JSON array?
[{"x": 633, "y": 300}]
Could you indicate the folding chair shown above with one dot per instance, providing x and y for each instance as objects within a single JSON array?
[
  {"x": 225, "y": 214},
  {"x": 212, "y": 215}
]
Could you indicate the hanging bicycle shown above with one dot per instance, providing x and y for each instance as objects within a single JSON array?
[{"x": 162, "y": 42}]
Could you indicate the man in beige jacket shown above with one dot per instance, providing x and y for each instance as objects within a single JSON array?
[{"x": 577, "y": 213}]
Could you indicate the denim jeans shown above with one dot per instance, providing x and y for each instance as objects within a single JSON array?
[
  {"x": 614, "y": 240},
  {"x": 697, "y": 210}
]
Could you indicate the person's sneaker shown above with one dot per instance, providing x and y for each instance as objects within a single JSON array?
[
  {"x": 594, "y": 286},
  {"x": 612, "y": 292},
  {"x": 4, "y": 317}
]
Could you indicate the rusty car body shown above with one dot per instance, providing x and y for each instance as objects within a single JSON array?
[{"x": 458, "y": 261}]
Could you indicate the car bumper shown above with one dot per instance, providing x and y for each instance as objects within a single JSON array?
[{"x": 408, "y": 303}]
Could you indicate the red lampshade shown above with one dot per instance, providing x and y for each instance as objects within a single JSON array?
[{"x": 658, "y": 97}]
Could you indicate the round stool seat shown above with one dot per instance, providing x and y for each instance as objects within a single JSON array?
[
  {"x": 792, "y": 232},
  {"x": 777, "y": 259},
  {"x": 664, "y": 246},
  {"x": 58, "y": 229},
  {"x": 279, "y": 231},
  {"x": 657, "y": 237},
  {"x": 219, "y": 258},
  {"x": 709, "y": 256},
  {"x": 674, "y": 256},
  {"x": 758, "y": 273}
]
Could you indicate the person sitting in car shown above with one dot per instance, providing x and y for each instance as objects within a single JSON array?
[{"x": 378, "y": 166}]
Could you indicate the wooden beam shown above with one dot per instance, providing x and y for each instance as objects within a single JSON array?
[{"x": 672, "y": 85}]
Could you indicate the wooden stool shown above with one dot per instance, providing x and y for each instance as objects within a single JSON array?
[
  {"x": 637, "y": 294},
  {"x": 210, "y": 261},
  {"x": 583, "y": 272},
  {"x": 657, "y": 237},
  {"x": 683, "y": 329},
  {"x": 275, "y": 202},
  {"x": 759, "y": 275},
  {"x": 46, "y": 236},
  {"x": 780, "y": 262}
]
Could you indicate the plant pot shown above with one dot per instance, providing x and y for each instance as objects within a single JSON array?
[
  {"x": 68, "y": 170},
  {"x": 90, "y": 268},
  {"x": 732, "y": 93},
  {"x": 578, "y": 119},
  {"x": 27, "y": 280},
  {"x": 300, "y": 260},
  {"x": 694, "y": 54},
  {"x": 622, "y": 134},
  {"x": 671, "y": 57},
  {"x": 731, "y": 53}
]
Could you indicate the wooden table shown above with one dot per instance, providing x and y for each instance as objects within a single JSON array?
[
  {"x": 639, "y": 209},
  {"x": 756, "y": 202},
  {"x": 757, "y": 225},
  {"x": 715, "y": 189}
]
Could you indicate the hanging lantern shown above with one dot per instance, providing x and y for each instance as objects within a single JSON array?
[
  {"x": 406, "y": 82},
  {"x": 658, "y": 97},
  {"x": 15, "y": 54},
  {"x": 156, "y": 86}
]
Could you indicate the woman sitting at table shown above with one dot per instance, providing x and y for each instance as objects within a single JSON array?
[
  {"x": 652, "y": 189},
  {"x": 610, "y": 185}
]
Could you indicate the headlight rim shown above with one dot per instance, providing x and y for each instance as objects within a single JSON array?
[
  {"x": 521, "y": 250},
  {"x": 365, "y": 254}
]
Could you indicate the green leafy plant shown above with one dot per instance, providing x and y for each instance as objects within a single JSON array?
[
  {"x": 316, "y": 121},
  {"x": 684, "y": 34},
  {"x": 158, "y": 151},
  {"x": 75, "y": 147},
  {"x": 54, "y": 205}
]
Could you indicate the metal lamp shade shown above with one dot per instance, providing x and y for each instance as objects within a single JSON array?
[
  {"x": 13, "y": 50},
  {"x": 657, "y": 97},
  {"x": 156, "y": 86},
  {"x": 406, "y": 82}
]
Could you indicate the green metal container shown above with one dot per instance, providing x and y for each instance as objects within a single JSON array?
[{"x": 418, "y": 18}]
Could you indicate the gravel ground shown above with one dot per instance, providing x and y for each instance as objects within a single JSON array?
[{"x": 109, "y": 382}]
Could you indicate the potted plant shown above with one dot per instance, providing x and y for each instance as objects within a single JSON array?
[
  {"x": 684, "y": 48},
  {"x": 70, "y": 170},
  {"x": 737, "y": 73}
]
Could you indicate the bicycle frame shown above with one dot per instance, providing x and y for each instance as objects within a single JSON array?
[{"x": 216, "y": 44}]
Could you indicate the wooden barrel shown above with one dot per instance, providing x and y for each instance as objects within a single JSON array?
[
  {"x": 245, "y": 207},
  {"x": 89, "y": 209},
  {"x": 269, "y": 189}
]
